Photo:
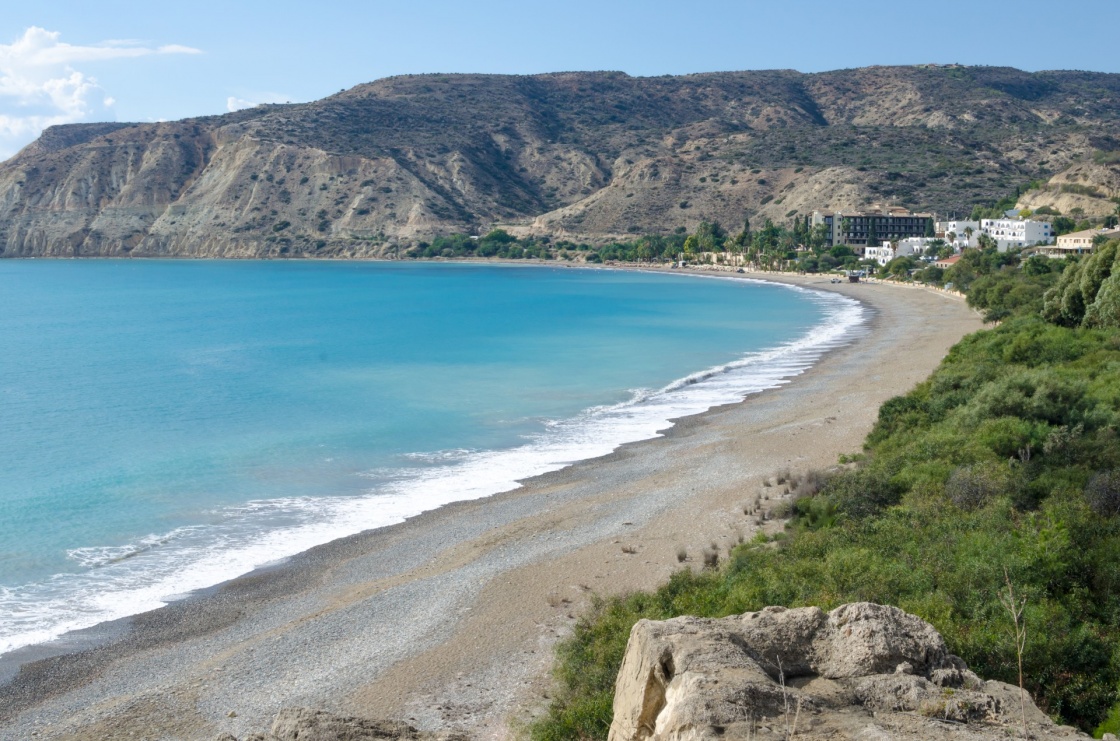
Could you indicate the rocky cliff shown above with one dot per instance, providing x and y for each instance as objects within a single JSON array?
[
  {"x": 587, "y": 156},
  {"x": 862, "y": 671}
]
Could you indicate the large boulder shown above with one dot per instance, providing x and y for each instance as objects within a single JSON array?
[
  {"x": 860, "y": 671},
  {"x": 304, "y": 724}
]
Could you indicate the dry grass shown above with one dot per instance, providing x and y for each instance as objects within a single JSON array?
[
  {"x": 810, "y": 483},
  {"x": 782, "y": 510}
]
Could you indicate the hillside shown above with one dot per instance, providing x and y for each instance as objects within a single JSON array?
[{"x": 590, "y": 156}]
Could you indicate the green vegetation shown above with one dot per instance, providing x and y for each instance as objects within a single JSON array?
[
  {"x": 1088, "y": 294},
  {"x": 1005, "y": 458},
  {"x": 1000, "y": 207},
  {"x": 498, "y": 243}
]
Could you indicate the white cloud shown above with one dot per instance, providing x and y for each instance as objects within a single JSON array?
[
  {"x": 237, "y": 104},
  {"x": 39, "y": 86}
]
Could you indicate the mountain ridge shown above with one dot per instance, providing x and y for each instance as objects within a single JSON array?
[{"x": 590, "y": 156}]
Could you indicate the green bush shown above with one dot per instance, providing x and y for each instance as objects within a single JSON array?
[{"x": 1005, "y": 458}]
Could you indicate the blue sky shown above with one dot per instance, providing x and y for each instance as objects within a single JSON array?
[{"x": 75, "y": 60}]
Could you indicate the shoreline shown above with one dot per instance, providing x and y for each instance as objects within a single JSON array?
[
  {"x": 646, "y": 414},
  {"x": 393, "y": 622}
]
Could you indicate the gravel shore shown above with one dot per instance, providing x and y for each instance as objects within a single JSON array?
[{"x": 448, "y": 619}]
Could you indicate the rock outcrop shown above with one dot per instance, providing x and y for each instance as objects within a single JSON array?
[
  {"x": 302, "y": 724},
  {"x": 861, "y": 671}
]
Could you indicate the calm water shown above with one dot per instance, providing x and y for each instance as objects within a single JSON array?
[{"x": 165, "y": 426}]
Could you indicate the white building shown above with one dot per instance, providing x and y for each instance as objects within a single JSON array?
[
  {"x": 882, "y": 254},
  {"x": 1010, "y": 233},
  {"x": 909, "y": 247},
  {"x": 1078, "y": 243},
  {"x": 913, "y": 246},
  {"x": 965, "y": 233}
]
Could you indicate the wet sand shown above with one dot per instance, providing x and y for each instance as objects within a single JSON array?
[{"x": 448, "y": 619}]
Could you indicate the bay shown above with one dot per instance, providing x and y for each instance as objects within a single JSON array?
[{"x": 168, "y": 425}]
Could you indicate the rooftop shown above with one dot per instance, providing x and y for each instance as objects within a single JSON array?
[
  {"x": 1090, "y": 233},
  {"x": 889, "y": 211}
]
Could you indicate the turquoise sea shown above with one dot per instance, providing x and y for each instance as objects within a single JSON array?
[{"x": 168, "y": 425}]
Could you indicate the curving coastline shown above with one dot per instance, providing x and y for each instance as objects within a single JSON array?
[
  {"x": 448, "y": 617},
  {"x": 125, "y": 579}
]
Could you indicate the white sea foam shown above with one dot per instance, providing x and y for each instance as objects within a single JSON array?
[{"x": 125, "y": 580}]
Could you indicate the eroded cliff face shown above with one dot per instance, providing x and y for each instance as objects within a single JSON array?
[
  {"x": 862, "y": 671},
  {"x": 586, "y": 156}
]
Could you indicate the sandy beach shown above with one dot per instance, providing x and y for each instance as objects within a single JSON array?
[{"x": 448, "y": 620}]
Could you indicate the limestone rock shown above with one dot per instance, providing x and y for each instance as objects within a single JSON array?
[
  {"x": 303, "y": 724},
  {"x": 860, "y": 671}
]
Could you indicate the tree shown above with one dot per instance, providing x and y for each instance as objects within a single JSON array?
[
  {"x": 932, "y": 274},
  {"x": 801, "y": 232},
  {"x": 934, "y": 248},
  {"x": 986, "y": 242},
  {"x": 968, "y": 231},
  {"x": 1063, "y": 225},
  {"x": 644, "y": 250},
  {"x": 690, "y": 245},
  {"x": 818, "y": 237},
  {"x": 1037, "y": 265},
  {"x": 710, "y": 237},
  {"x": 900, "y": 267},
  {"x": 499, "y": 236},
  {"x": 872, "y": 234},
  {"x": 930, "y": 233}
]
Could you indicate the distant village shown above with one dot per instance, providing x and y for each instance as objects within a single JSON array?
[{"x": 888, "y": 233}]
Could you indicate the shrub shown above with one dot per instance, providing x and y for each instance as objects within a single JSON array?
[
  {"x": 863, "y": 492},
  {"x": 972, "y": 487},
  {"x": 1102, "y": 494},
  {"x": 1017, "y": 427}
]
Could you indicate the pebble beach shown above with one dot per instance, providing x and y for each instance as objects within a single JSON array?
[{"x": 448, "y": 620}]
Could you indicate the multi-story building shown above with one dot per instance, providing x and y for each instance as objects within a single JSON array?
[
  {"x": 887, "y": 251},
  {"x": 882, "y": 254},
  {"x": 854, "y": 227},
  {"x": 964, "y": 233},
  {"x": 1078, "y": 243},
  {"x": 1010, "y": 233},
  {"x": 913, "y": 246}
]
